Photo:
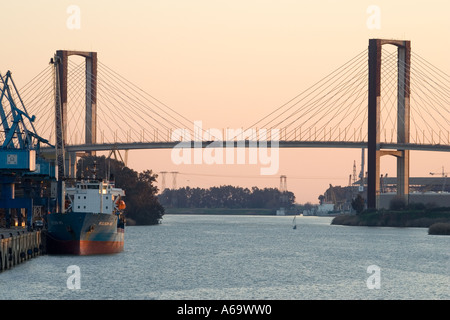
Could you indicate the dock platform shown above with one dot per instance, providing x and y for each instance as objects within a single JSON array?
[{"x": 18, "y": 245}]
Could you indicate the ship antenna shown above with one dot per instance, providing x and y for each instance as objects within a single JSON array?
[
  {"x": 109, "y": 170},
  {"x": 95, "y": 170},
  {"x": 82, "y": 169}
]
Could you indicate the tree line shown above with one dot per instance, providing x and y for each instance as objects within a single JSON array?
[{"x": 230, "y": 197}]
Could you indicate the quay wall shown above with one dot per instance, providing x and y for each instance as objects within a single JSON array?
[{"x": 19, "y": 246}]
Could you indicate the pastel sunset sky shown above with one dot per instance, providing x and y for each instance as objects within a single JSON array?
[{"x": 227, "y": 64}]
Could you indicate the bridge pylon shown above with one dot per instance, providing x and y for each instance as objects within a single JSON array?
[
  {"x": 91, "y": 99},
  {"x": 403, "y": 119}
]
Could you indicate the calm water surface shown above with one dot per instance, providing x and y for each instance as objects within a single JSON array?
[{"x": 247, "y": 257}]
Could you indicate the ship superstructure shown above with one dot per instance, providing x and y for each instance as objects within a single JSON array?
[{"x": 93, "y": 222}]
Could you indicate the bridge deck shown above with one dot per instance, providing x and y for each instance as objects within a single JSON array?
[{"x": 247, "y": 144}]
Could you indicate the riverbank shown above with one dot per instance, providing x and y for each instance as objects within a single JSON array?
[{"x": 437, "y": 220}]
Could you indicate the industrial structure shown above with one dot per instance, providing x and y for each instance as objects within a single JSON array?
[
  {"x": 32, "y": 181},
  {"x": 430, "y": 191},
  {"x": 27, "y": 179},
  {"x": 283, "y": 196}
]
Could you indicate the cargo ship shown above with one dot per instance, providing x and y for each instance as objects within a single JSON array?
[{"x": 93, "y": 221}]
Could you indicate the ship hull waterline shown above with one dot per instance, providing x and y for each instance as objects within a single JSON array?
[{"x": 84, "y": 234}]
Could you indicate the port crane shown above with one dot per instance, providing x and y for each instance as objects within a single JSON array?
[
  {"x": 21, "y": 165},
  {"x": 444, "y": 175}
]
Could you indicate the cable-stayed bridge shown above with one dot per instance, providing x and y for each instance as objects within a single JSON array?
[{"x": 386, "y": 98}]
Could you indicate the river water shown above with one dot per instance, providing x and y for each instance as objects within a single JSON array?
[{"x": 246, "y": 257}]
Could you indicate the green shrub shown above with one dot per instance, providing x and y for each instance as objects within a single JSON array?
[
  {"x": 397, "y": 203},
  {"x": 416, "y": 206},
  {"x": 439, "y": 228},
  {"x": 358, "y": 204}
]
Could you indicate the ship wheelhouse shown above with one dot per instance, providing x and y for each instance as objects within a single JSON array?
[{"x": 94, "y": 197}]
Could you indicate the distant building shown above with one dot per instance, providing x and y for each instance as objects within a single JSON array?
[
  {"x": 426, "y": 190},
  {"x": 438, "y": 199},
  {"x": 325, "y": 208}
]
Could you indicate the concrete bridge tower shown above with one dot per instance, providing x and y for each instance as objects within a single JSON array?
[
  {"x": 403, "y": 119},
  {"x": 91, "y": 100}
]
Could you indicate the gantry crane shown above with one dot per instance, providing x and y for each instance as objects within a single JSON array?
[{"x": 20, "y": 160}]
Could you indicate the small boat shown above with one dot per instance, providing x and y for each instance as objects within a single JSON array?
[{"x": 294, "y": 223}]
